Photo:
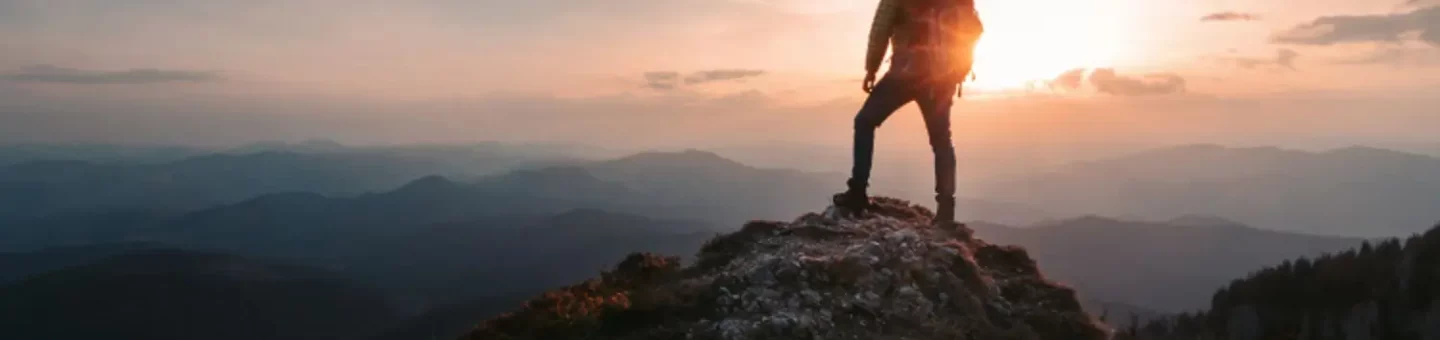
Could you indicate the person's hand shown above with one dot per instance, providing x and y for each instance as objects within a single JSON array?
[{"x": 869, "y": 83}]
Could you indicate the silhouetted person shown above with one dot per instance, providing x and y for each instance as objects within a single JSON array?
[{"x": 933, "y": 44}]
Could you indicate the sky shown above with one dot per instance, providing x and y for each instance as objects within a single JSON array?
[{"x": 650, "y": 73}]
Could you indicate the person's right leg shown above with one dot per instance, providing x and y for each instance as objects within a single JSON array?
[
  {"x": 888, "y": 96},
  {"x": 935, "y": 103}
]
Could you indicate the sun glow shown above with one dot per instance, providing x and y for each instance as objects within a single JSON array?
[{"x": 1032, "y": 41}]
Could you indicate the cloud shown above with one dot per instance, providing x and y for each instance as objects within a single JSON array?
[
  {"x": 1418, "y": 3},
  {"x": 721, "y": 75},
  {"x": 1365, "y": 28},
  {"x": 670, "y": 80},
  {"x": 1106, "y": 80},
  {"x": 1230, "y": 16},
  {"x": 662, "y": 80},
  {"x": 1396, "y": 55},
  {"x": 1284, "y": 58},
  {"x": 1070, "y": 80},
  {"x": 62, "y": 75}
]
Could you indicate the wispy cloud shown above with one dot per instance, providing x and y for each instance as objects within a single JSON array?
[
  {"x": 1365, "y": 28},
  {"x": 1397, "y": 56},
  {"x": 1284, "y": 58},
  {"x": 1230, "y": 16},
  {"x": 662, "y": 80},
  {"x": 1418, "y": 3},
  {"x": 1106, "y": 80},
  {"x": 63, "y": 75},
  {"x": 719, "y": 75},
  {"x": 670, "y": 80}
]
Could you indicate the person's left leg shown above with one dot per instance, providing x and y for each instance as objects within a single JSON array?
[
  {"x": 891, "y": 93},
  {"x": 935, "y": 103}
]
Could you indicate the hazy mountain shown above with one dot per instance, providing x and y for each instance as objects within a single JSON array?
[
  {"x": 715, "y": 188},
  {"x": 1170, "y": 266},
  {"x": 290, "y": 222},
  {"x": 441, "y": 269},
  {"x": 15, "y": 266},
  {"x": 727, "y": 192},
  {"x": 103, "y": 153},
  {"x": 80, "y": 229},
  {"x": 506, "y": 255},
  {"x": 457, "y": 260},
  {"x": 166, "y": 294},
  {"x": 307, "y": 146},
  {"x": 40, "y": 188},
  {"x": 1353, "y": 191},
  {"x": 285, "y": 223},
  {"x": 691, "y": 184}
]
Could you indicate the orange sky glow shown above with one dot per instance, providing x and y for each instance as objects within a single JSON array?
[{"x": 764, "y": 57}]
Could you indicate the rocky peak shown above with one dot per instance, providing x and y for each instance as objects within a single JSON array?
[{"x": 889, "y": 275}]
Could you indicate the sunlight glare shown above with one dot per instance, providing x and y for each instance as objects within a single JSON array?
[{"x": 1037, "y": 40}]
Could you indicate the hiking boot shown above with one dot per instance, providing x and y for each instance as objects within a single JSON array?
[
  {"x": 944, "y": 210},
  {"x": 852, "y": 201}
]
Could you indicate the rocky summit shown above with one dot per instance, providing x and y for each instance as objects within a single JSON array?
[{"x": 888, "y": 274}]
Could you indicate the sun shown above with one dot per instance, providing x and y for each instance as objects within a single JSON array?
[{"x": 1037, "y": 40}]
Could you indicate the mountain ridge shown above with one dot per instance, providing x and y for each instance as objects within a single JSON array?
[{"x": 1327, "y": 192}]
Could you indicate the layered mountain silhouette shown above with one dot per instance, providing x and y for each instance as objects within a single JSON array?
[
  {"x": 103, "y": 153},
  {"x": 381, "y": 235},
  {"x": 46, "y": 187},
  {"x": 660, "y": 185},
  {"x": 452, "y": 273},
  {"x": 1336, "y": 192},
  {"x": 886, "y": 275},
  {"x": 16, "y": 266},
  {"x": 433, "y": 242},
  {"x": 170, "y": 294},
  {"x": 500, "y": 257}
]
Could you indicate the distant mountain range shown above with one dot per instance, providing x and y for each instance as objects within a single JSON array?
[
  {"x": 40, "y": 188},
  {"x": 155, "y": 154},
  {"x": 510, "y": 224},
  {"x": 466, "y": 271},
  {"x": 16, "y": 266},
  {"x": 437, "y": 269},
  {"x": 100, "y": 153},
  {"x": 1353, "y": 191},
  {"x": 430, "y": 249}
]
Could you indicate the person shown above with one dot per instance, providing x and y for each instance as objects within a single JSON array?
[{"x": 933, "y": 52}]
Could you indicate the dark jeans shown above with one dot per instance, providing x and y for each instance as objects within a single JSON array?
[{"x": 892, "y": 92}]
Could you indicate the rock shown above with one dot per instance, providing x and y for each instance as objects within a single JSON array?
[{"x": 886, "y": 275}]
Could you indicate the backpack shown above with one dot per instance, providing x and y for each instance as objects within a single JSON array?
[{"x": 943, "y": 34}]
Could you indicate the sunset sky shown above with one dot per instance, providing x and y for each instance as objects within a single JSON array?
[{"x": 688, "y": 71}]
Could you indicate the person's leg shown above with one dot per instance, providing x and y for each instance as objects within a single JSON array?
[
  {"x": 888, "y": 96},
  {"x": 935, "y": 103}
]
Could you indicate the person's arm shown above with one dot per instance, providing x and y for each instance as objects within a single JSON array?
[{"x": 880, "y": 32}]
